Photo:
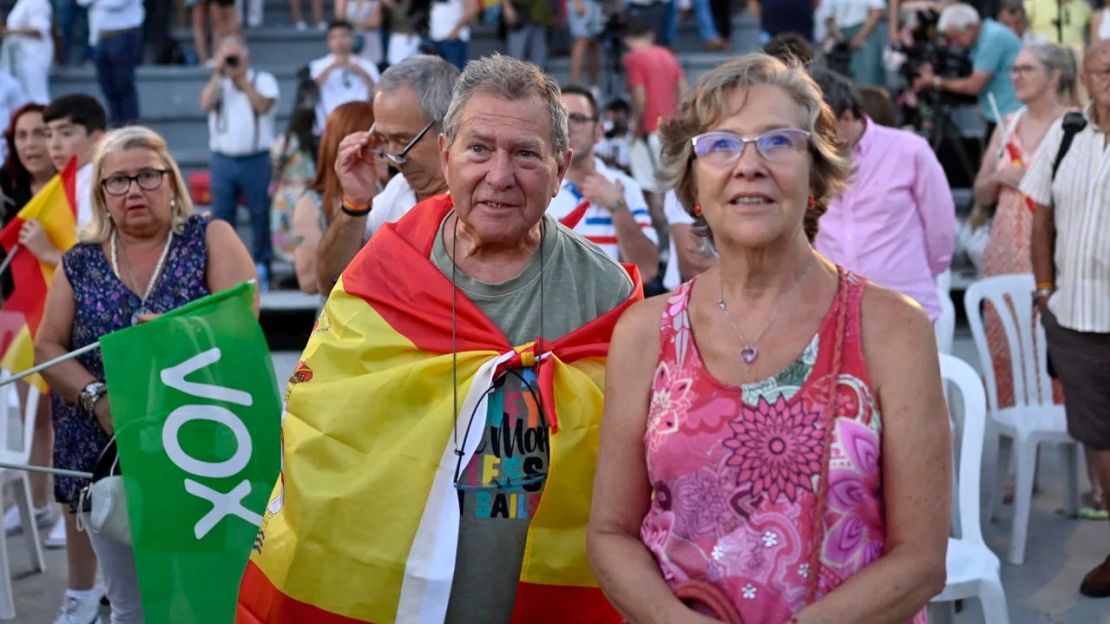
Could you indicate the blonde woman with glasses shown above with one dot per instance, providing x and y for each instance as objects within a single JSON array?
[{"x": 143, "y": 253}]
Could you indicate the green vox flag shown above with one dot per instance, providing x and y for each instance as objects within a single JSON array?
[{"x": 198, "y": 423}]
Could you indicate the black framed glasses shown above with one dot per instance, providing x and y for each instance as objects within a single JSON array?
[
  {"x": 401, "y": 157},
  {"x": 725, "y": 148},
  {"x": 580, "y": 119},
  {"x": 147, "y": 179}
]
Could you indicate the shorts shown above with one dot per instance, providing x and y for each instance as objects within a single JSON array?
[
  {"x": 1082, "y": 363},
  {"x": 588, "y": 25}
]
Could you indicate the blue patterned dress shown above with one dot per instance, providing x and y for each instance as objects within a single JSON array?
[{"x": 103, "y": 305}]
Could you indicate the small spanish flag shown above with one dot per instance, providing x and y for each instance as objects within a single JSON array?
[{"x": 55, "y": 207}]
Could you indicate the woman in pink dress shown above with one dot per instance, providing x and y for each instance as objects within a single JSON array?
[{"x": 775, "y": 445}]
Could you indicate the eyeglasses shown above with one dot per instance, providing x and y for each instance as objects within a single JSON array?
[
  {"x": 147, "y": 179},
  {"x": 1023, "y": 69},
  {"x": 401, "y": 157},
  {"x": 579, "y": 118},
  {"x": 725, "y": 148}
]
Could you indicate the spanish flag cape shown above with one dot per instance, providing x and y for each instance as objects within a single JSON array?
[
  {"x": 363, "y": 523},
  {"x": 55, "y": 207}
]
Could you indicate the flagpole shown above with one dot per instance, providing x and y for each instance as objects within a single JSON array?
[
  {"x": 8, "y": 260},
  {"x": 61, "y": 472},
  {"x": 45, "y": 365}
]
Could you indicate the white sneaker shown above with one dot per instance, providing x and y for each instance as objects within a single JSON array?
[
  {"x": 79, "y": 611},
  {"x": 57, "y": 536},
  {"x": 321, "y": 26},
  {"x": 301, "y": 25},
  {"x": 43, "y": 518}
]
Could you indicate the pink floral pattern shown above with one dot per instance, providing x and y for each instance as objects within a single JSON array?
[
  {"x": 735, "y": 472},
  {"x": 777, "y": 447}
]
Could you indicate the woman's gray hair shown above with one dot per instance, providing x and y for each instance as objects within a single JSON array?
[
  {"x": 707, "y": 103},
  {"x": 100, "y": 226},
  {"x": 1059, "y": 59},
  {"x": 511, "y": 79},
  {"x": 430, "y": 77}
]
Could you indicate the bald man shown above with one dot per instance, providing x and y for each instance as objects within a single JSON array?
[{"x": 1071, "y": 263}]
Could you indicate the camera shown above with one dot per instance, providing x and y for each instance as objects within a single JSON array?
[{"x": 232, "y": 60}]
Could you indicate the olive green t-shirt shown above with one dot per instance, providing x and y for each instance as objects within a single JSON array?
[{"x": 500, "y": 489}]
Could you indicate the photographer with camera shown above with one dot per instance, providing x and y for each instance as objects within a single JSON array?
[
  {"x": 993, "y": 50},
  {"x": 240, "y": 106}
]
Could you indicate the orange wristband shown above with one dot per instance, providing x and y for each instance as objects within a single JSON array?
[{"x": 352, "y": 209}]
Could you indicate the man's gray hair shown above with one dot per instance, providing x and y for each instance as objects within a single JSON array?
[
  {"x": 430, "y": 77},
  {"x": 958, "y": 16},
  {"x": 511, "y": 79}
]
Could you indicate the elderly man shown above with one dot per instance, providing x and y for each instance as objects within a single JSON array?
[
  {"x": 993, "y": 50},
  {"x": 1071, "y": 262},
  {"x": 409, "y": 108},
  {"x": 441, "y": 431},
  {"x": 616, "y": 218},
  {"x": 240, "y": 106}
]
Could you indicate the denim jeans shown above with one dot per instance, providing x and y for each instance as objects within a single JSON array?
[
  {"x": 73, "y": 24},
  {"x": 249, "y": 177},
  {"x": 116, "y": 57},
  {"x": 707, "y": 27},
  {"x": 454, "y": 52}
]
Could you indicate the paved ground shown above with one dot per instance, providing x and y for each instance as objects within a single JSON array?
[{"x": 1043, "y": 591}]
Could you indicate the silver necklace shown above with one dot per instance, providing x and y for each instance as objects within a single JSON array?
[
  {"x": 153, "y": 276},
  {"x": 749, "y": 351}
]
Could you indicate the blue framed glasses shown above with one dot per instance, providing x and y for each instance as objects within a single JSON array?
[{"x": 725, "y": 148}]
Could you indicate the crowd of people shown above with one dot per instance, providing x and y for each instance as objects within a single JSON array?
[{"x": 785, "y": 372}]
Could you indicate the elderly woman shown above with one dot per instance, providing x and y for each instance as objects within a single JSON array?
[
  {"x": 1045, "y": 80},
  {"x": 735, "y": 479},
  {"x": 144, "y": 253}
]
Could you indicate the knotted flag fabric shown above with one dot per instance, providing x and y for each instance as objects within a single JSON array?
[
  {"x": 55, "y": 207},
  {"x": 363, "y": 523}
]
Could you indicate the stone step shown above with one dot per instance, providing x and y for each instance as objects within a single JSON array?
[
  {"x": 164, "y": 91},
  {"x": 278, "y": 44}
]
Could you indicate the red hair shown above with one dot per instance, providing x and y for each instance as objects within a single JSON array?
[{"x": 345, "y": 119}]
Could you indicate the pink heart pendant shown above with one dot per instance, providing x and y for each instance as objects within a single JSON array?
[{"x": 748, "y": 354}]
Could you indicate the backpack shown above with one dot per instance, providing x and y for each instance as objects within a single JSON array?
[{"x": 1073, "y": 124}]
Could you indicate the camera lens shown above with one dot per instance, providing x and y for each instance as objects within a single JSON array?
[{"x": 232, "y": 61}]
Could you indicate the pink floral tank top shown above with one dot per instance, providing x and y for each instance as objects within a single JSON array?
[{"x": 737, "y": 470}]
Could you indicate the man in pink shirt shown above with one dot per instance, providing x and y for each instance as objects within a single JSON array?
[
  {"x": 896, "y": 222},
  {"x": 654, "y": 76}
]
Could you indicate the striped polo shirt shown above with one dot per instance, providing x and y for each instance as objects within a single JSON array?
[
  {"x": 596, "y": 225},
  {"x": 1080, "y": 197}
]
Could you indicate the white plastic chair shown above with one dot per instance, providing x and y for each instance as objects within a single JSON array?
[
  {"x": 10, "y": 409},
  {"x": 973, "y": 570},
  {"x": 1034, "y": 418},
  {"x": 945, "y": 325}
]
